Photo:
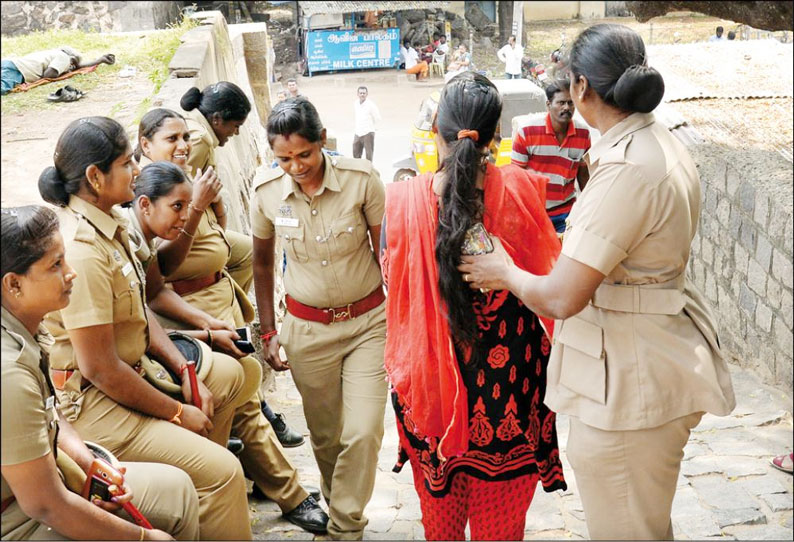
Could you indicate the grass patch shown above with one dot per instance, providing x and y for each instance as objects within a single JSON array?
[{"x": 149, "y": 53}]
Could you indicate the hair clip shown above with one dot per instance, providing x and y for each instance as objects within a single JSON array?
[
  {"x": 84, "y": 120},
  {"x": 9, "y": 211}
]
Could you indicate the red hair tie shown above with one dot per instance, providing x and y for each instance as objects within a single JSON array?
[{"x": 473, "y": 134}]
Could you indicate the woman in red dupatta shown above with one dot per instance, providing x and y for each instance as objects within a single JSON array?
[{"x": 468, "y": 369}]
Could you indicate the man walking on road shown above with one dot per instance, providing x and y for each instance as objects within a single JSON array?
[
  {"x": 511, "y": 55},
  {"x": 367, "y": 116}
]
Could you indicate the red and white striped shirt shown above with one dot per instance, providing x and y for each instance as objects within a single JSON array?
[{"x": 535, "y": 146}]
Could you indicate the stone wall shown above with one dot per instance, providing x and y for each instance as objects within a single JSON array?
[
  {"x": 23, "y": 17},
  {"x": 742, "y": 256}
]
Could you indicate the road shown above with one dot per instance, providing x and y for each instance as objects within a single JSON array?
[{"x": 397, "y": 98}]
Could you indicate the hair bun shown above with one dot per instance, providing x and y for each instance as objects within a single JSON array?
[
  {"x": 52, "y": 187},
  {"x": 639, "y": 90},
  {"x": 191, "y": 99}
]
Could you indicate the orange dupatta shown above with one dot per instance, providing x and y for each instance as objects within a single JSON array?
[{"x": 420, "y": 357}]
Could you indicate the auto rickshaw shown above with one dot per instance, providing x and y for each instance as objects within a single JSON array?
[{"x": 519, "y": 97}]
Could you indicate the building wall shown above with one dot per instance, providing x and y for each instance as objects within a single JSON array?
[
  {"x": 545, "y": 11},
  {"x": 742, "y": 261}
]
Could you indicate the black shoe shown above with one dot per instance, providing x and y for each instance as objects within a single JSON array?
[
  {"x": 311, "y": 490},
  {"x": 235, "y": 445},
  {"x": 309, "y": 516},
  {"x": 288, "y": 437}
]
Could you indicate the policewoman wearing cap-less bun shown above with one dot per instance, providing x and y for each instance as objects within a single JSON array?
[
  {"x": 636, "y": 360},
  {"x": 106, "y": 335}
]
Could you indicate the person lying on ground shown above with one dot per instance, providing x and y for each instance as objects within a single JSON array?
[{"x": 47, "y": 64}]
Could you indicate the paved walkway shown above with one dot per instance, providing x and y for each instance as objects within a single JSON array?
[{"x": 727, "y": 488}]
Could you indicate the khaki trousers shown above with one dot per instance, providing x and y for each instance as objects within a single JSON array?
[
  {"x": 164, "y": 495},
  {"x": 215, "y": 472},
  {"x": 338, "y": 370},
  {"x": 627, "y": 479},
  {"x": 263, "y": 457}
]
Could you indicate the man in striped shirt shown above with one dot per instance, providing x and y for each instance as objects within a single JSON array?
[{"x": 553, "y": 144}]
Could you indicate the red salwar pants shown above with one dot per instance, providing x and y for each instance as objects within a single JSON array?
[{"x": 494, "y": 510}]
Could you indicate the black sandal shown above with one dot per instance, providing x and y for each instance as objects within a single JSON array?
[{"x": 65, "y": 94}]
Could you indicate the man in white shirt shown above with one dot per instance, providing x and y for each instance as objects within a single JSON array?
[
  {"x": 511, "y": 56},
  {"x": 47, "y": 64},
  {"x": 718, "y": 35},
  {"x": 367, "y": 116},
  {"x": 412, "y": 62}
]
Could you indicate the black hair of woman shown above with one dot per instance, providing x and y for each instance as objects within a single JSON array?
[
  {"x": 612, "y": 58},
  {"x": 26, "y": 234},
  {"x": 150, "y": 124},
  {"x": 469, "y": 102},
  {"x": 96, "y": 141},
  {"x": 295, "y": 116},
  {"x": 223, "y": 98},
  {"x": 156, "y": 180}
]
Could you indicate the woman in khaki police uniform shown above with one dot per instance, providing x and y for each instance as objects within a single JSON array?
[
  {"x": 636, "y": 360},
  {"x": 35, "y": 502},
  {"x": 103, "y": 335},
  {"x": 162, "y": 194},
  {"x": 327, "y": 213},
  {"x": 209, "y": 265}
]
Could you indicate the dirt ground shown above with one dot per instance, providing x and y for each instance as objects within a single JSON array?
[{"x": 29, "y": 138}]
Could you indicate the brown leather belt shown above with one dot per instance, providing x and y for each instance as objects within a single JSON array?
[
  {"x": 189, "y": 286},
  {"x": 337, "y": 314}
]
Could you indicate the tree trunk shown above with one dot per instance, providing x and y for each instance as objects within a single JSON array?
[{"x": 505, "y": 21}]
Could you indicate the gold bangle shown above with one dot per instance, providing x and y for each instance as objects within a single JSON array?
[
  {"x": 191, "y": 206},
  {"x": 209, "y": 337},
  {"x": 176, "y": 418},
  {"x": 183, "y": 230},
  {"x": 143, "y": 534}
]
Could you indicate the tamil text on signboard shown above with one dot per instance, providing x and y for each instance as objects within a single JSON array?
[{"x": 350, "y": 50}]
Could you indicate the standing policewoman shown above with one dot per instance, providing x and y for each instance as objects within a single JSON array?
[{"x": 326, "y": 213}]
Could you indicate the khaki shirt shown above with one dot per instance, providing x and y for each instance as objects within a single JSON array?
[
  {"x": 330, "y": 262},
  {"x": 645, "y": 350},
  {"x": 143, "y": 250},
  {"x": 29, "y": 417},
  {"x": 202, "y": 140},
  {"x": 109, "y": 288},
  {"x": 34, "y": 65}
]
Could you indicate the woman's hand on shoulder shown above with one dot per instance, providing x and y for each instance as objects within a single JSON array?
[{"x": 489, "y": 271}]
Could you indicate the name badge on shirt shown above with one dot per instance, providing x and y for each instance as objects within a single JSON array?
[
  {"x": 127, "y": 269},
  {"x": 284, "y": 221},
  {"x": 49, "y": 403}
]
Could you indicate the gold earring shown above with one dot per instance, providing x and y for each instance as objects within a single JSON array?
[{"x": 17, "y": 293}]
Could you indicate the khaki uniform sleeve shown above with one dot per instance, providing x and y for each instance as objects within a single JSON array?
[
  {"x": 261, "y": 226},
  {"x": 201, "y": 155},
  {"x": 25, "y": 435},
  {"x": 614, "y": 215},
  {"x": 375, "y": 204},
  {"x": 92, "y": 291}
]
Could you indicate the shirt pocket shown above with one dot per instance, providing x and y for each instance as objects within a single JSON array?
[
  {"x": 575, "y": 154},
  {"x": 127, "y": 301},
  {"x": 583, "y": 365},
  {"x": 348, "y": 232},
  {"x": 292, "y": 240}
]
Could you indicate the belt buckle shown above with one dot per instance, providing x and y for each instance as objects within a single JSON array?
[{"x": 342, "y": 315}]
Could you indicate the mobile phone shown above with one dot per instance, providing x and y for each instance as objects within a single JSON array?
[
  {"x": 101, "y": 475},
  {"x": 244, "y": 343},
  {"x": 477, "y": 241}
]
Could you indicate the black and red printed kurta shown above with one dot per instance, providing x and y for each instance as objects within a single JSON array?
[{"x": 511, "y": 432}]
